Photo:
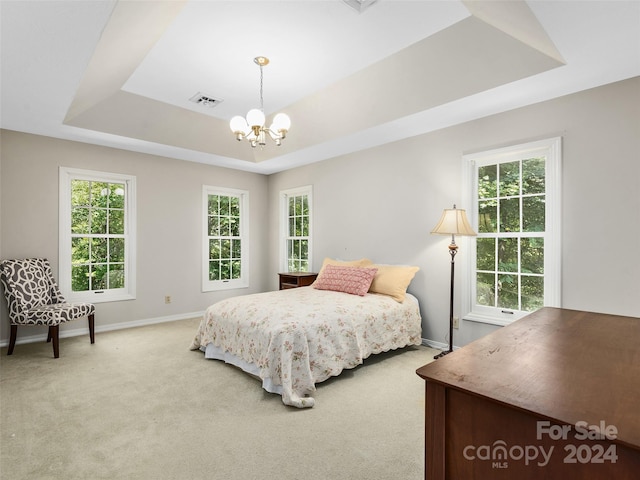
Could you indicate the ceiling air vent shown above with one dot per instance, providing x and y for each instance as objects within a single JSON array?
[{"x": 205, "y": 100}]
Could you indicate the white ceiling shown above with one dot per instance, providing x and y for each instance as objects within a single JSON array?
[
  {"x": 311, "y": 45},
  {"x": 121, "y": 73}
]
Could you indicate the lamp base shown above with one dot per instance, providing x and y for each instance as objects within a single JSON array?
[{"x": 442, "y": 354}]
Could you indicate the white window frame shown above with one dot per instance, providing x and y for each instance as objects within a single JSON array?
[
  {"x": 284, "y": 224},
  {"x": 66, "y": 175},
  {"x": 243, "y": 281},
  {"x": 552, "y": 149}
]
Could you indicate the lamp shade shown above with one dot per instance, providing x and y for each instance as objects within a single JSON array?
[
  {"x": 255, "y": 118},
  {"x": 453, "y": 222},
  {"x": 239, "y": 125},
  {"x": 281, "y": 122}
]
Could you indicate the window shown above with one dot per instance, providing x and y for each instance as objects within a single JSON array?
[
  {"x": 515, "y": 208},
  {"x": 97, "y": 235},
  {"x": 296, "y": 229},
  {"x": 226, "y": 239}
]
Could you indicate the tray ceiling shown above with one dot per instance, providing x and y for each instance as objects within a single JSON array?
[{"x": 122, "y": 73}]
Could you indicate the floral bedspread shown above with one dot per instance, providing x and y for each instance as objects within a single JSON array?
[{"x": 303, "y": 336}]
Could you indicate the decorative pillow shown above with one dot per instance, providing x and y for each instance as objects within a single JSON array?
[
  {"x": 363, "y": 262},
  {"x": 393, "y": 280},
  {"x": 353, "y": 280}
]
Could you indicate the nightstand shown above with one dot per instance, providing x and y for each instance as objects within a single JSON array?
[{"x": 296, "y": 279}]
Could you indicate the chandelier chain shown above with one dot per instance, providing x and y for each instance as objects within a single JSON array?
[{"x": 261, "y": 99}]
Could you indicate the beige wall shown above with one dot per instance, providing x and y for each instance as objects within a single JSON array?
[
  {"x": 383, "y": 202},
  {"x": 169, "y": 224},
  {"x": 380, "y": 203}
]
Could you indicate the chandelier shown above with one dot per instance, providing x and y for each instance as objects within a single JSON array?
[{"x": 252, "y": 128}]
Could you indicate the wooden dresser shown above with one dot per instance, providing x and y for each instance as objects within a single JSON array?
[{"x": 555, "y": 395}]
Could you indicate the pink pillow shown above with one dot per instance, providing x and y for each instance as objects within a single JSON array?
[{"x": 353, "y": 280}]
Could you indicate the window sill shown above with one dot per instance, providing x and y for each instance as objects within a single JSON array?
[
  {"x": 500, "y": 322},
  {"x": 94, "y": 297},
  {"x": 220, "y": 286}
]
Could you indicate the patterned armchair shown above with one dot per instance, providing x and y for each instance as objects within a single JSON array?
[{"x": 34, "y": 298}]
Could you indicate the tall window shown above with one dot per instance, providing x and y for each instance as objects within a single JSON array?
[
  {"x": 97, "y": 235},
  {"x": 226, "y": 244},
  {"x": 296, "y": 229},
  {"x": 515, "y": 208}
]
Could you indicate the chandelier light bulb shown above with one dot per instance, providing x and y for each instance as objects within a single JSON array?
[
  {"x": 255, "y": 118},
  {"x": 281, "y": 122},
  {"x": 239, "y": 125}
]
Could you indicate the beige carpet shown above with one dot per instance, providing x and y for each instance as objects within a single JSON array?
[{"x": 139, "y": 405}]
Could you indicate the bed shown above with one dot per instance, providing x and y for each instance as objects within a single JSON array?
[{"x": 293, "y": 339}]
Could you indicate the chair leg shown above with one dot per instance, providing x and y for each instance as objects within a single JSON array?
[
  {"x": 92, "y": 328},
  {"x": 12, "y": 339},
  {"x": 53, "y": 333}
]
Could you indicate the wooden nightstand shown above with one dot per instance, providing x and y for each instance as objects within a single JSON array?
[{"x": 296, "y": 279}]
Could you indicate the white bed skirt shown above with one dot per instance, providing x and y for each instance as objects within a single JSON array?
[{"x": 216, "y": 353}]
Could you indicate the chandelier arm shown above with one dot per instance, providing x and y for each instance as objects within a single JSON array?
[{"x": 268, "y": 130}]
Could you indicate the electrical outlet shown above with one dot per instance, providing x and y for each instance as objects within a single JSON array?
[
  {"x": 456, "y": 322},
  {"x": 167, "y": 299}
]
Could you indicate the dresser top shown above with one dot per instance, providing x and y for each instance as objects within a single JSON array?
[{"x": 566, "y": 365}]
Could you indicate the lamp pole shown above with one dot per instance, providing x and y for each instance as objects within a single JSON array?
[{"x": 453, "y": 249}]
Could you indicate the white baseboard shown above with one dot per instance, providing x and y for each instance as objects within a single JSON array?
[
  {"x": 437, "y": 345},
  {"x": 75, "y": 332}
]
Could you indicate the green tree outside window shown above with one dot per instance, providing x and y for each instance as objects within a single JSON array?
[
  {"x": 511, "y": 227},
  {"x": 97, "y": 235}
]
